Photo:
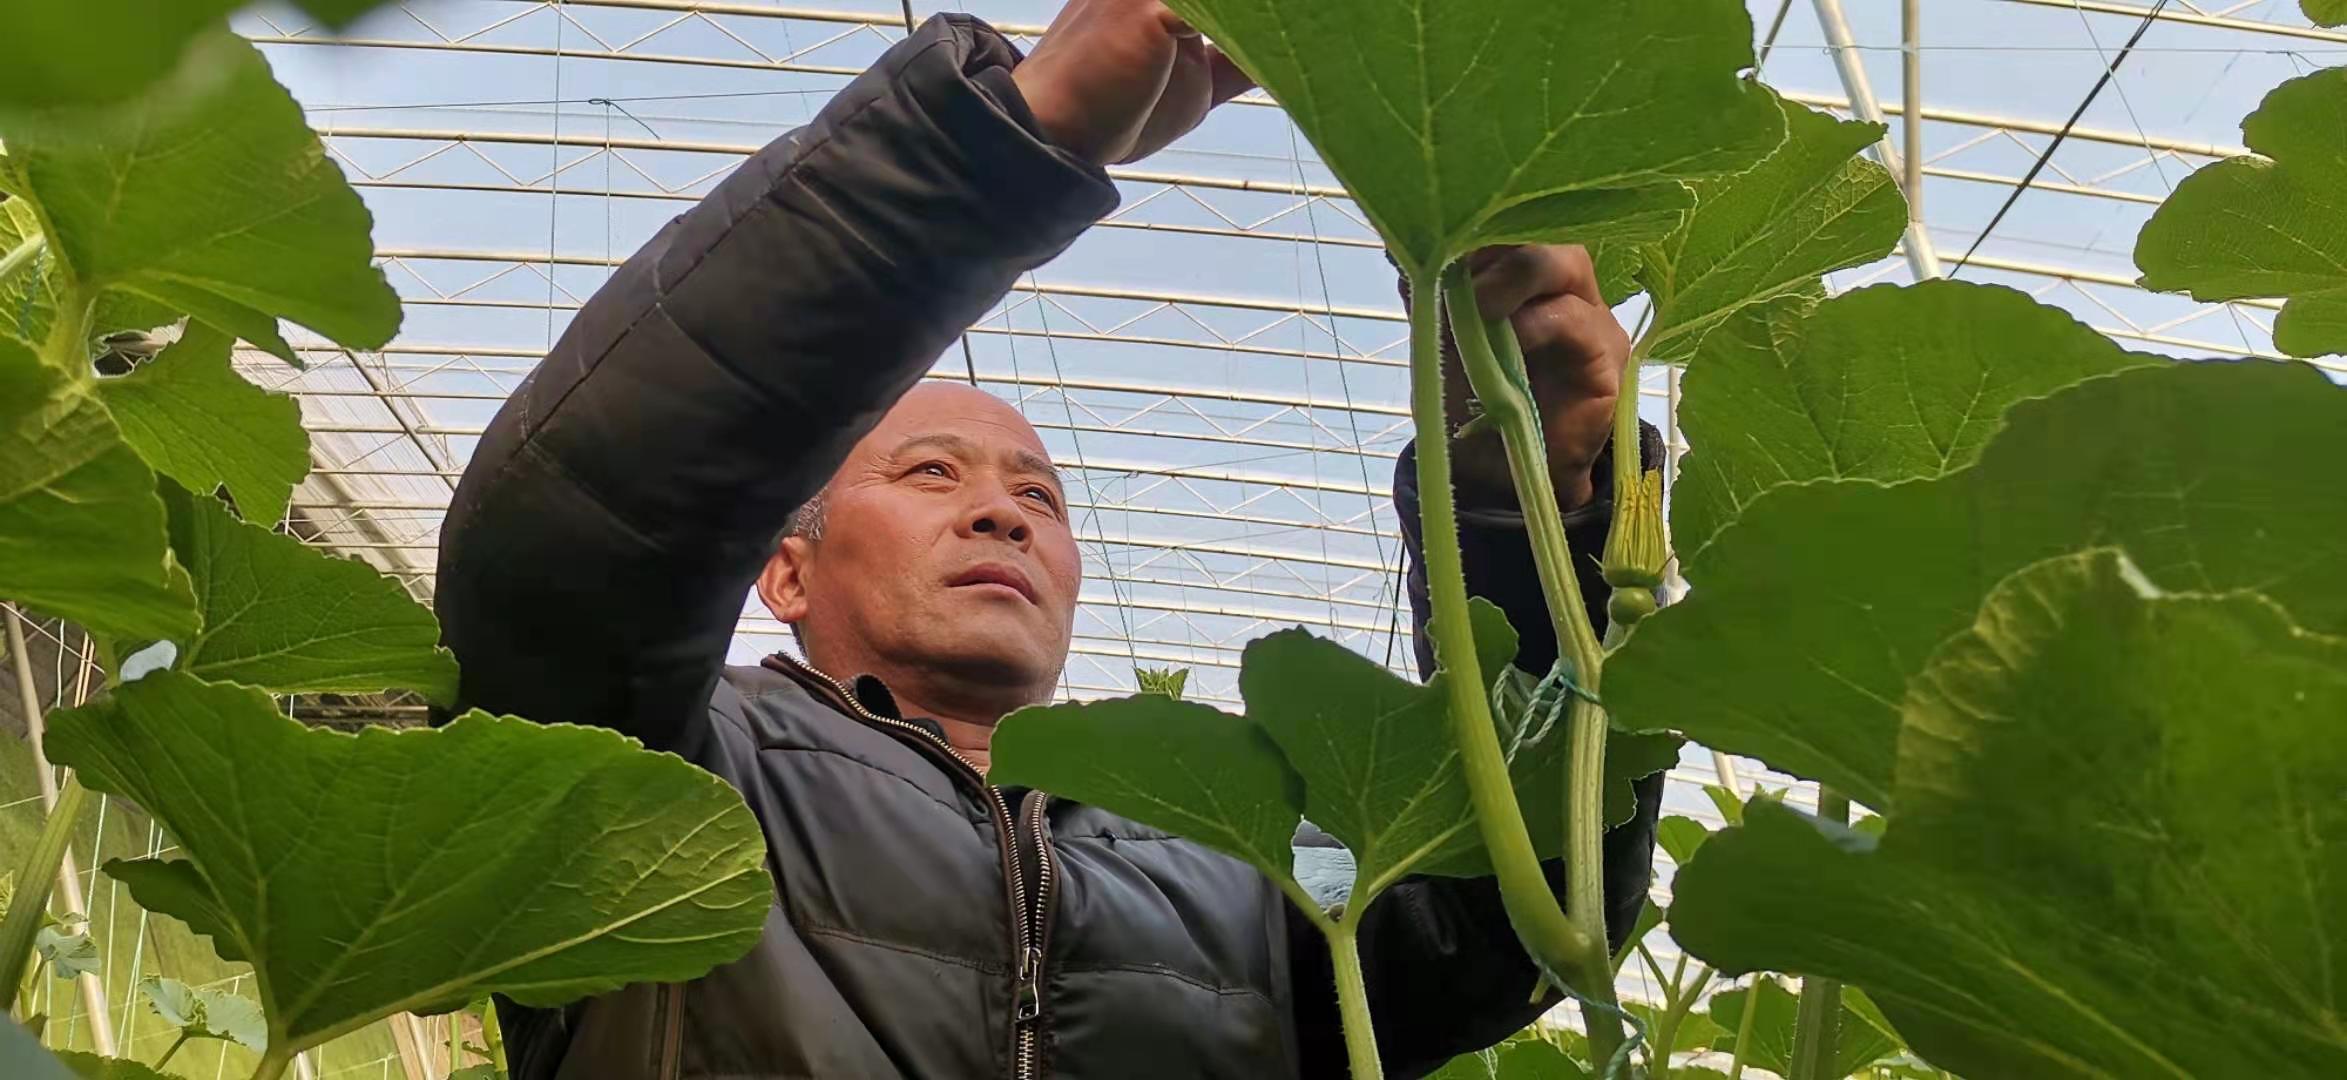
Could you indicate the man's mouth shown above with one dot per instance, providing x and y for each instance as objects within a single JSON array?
[{"x": 1000, "y": 574}]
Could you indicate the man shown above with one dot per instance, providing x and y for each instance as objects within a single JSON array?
[{"x": 755, "y": 367}]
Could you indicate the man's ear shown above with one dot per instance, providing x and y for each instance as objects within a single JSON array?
[{"x": 783, "y": 584}]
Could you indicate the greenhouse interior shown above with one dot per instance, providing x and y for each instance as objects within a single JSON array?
[{"x": 1958, "y": 685}]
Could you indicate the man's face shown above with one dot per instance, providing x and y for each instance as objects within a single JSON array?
[{"x": 945, "y": 550}]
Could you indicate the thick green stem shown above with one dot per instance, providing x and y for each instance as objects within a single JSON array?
[
  {"x": 1494, "y": 364},
  {"x": 273, "y": 1063},
  {"x": 1554, "y": 941},
  {"x": 493, "y": 1037},
  {"x": 175, "y": 1045},
  {"x": 1352, "y": 998},
  {"x": 34, "y": 878},
  {"x": 67, "y": 348},
  {"x": 1817, "y": 1024},
  {"x": 20, "y": 255},
  {"x": 456, "y": 1041}
]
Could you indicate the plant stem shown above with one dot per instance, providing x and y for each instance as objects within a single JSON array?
[
  {"x": 456, "y": 1040},
  {"x": 1817, "y": 1023},
  {"x": 21, "y": 254},
  {"x": 1494, "y": 365},
  {"x": 34, "y": 878},
  {"x": 67, "y": 348},
  {"x": 1352, "y": 997},
  {"x": 1559, "y": 946},
  {"x": 493, "y": 1036},
  {"x": 175, "y": 1045},
  {"x": 1744, "y": 1030},
  {"x": 273, "y": 1063}
]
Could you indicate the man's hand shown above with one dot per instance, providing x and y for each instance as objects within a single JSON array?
[
  {"x": 1573, "y": 350},
  {"x": 1116, "y": 80}
]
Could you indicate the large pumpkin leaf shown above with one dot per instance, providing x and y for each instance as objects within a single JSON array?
[
  {"x": 1815, "y": 607},
  {"x": 96, "y": 51},
  {"x": 2267, "y": 226},
  {"x": 195, "y": 420},
  {"x": 1458, "y": 125},
  {"x": 367, "y": 874},
  {"x": 2325, "y": 12},
  {"x": 1853, "y": 390},
  {"x": 290, "y": 618},
  {"x": 2118, "y": 850},
  {"x": 1811, "y": 207},
  {"x": 1771, "y": 1044},
  {"x": 81, "y": 532},
  {"x": 1180, "y": 766},
  {"x": 92, "y": 1067},
  {"x": 28, "y": 298},
  {"x": 1381, "y": 770},
  {"x": 208, "y": 195}
]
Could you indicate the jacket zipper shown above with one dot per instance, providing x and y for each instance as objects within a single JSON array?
[
  {"x": 1029, "y": 923},
  {"x": 1037, "y": 934}
]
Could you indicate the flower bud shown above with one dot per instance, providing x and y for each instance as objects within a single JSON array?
[{"x": 1637, "y": 549}]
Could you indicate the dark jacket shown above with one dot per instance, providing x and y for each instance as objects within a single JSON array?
[{"x": 595, "y": 560}]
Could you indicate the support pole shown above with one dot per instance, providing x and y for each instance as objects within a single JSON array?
[
  {"x": 93, "y": 992},
  {"x": 1911, "y": 103},
  {"x": 1922, "y": 258}
]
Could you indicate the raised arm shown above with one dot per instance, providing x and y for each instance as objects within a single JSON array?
[{"x": 595, "y": 557}]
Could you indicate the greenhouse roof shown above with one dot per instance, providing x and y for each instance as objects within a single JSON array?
[{"x": 1220, "y": 367}]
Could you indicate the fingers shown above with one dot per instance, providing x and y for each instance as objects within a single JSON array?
[
  {"x": 1509, "y": 277},
  {"x": 1174, "y": 24},
  {"x": 1229, "y": 80},
  {"x": 1567, "y": 337}
]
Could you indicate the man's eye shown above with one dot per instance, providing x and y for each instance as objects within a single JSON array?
[
  {"x": 934, "y": 468},
  {"x": 1041, "y": 495}
]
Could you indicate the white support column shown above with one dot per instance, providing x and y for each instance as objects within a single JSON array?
[
  {"x": 93, "y": 992},
  {"x": 1922, "y": 258}
]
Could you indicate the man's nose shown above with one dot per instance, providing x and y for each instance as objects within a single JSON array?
[{"x": 997, "y": 515}]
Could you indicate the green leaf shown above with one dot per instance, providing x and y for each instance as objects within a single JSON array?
[
  {"x": 93, "y": 1067},
  {"x": 2325, "y": 12},
  {"x": 1855, "y": 391},
  {"x": 287, "y": 617},
  {"x": 1166, "y": 681},
  {"x": 1731, "y": 807},
  {"x": 207, "y": 1014},
  {"x": 1771, "y": 1045},
  {"x": 1381, "y": 771},
  {"x": 81, "y": 532},
  {"x": 1811, "y": 611},
  {"x": 2267, "y": 226},
  {"x": 195, "y": 420},
  {"x": 28, "y": 299},
  {"x": 209, "y": 195},
  {"x": 70, "y": 956},
  {"x": 1180, "y": 766},
  {"x": 2116, "y": 851},
  {"x": 546, "y": 863},
  {"x": 1681, "y": 837},
  {"x": 1810, "y": 207},
  {"x": 98, "y": 51},
  {"x": 1458, "y": 125},
  {"x": 1526, "y": 1059}
]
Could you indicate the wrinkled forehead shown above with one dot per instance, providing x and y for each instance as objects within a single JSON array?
[{"x": 961, "y": 419}]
